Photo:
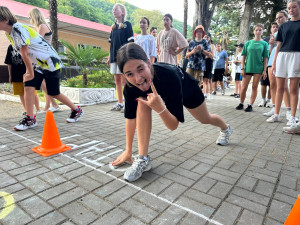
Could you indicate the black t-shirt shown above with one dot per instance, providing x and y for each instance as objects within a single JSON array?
[
  {"x": 119, "y": 37},
  {"x": 289, "y": 35},
  {"x": 267, "y": 39},
  {"x": 172, "y": 84},
  {"x": 18, "y": 68}
]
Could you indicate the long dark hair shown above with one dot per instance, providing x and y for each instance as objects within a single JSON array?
[{"x": 130, "y": 51}]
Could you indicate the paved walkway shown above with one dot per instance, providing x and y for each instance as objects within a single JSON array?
[{"x": 254, "y": 180}]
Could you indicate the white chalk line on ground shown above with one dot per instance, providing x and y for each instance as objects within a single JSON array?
[{"x": 129, "y": 184}]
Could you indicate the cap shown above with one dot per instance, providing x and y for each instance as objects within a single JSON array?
[
  {"x": 239, "y": 45},
  {"x": 199, "y": 27}
]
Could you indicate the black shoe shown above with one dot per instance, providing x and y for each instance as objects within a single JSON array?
[
  {"x": 234, "y": 94},
  {"x": 214, "y": 93},
  {"x": 240, "y": 107},
  {"x": 249, "y": 108}
]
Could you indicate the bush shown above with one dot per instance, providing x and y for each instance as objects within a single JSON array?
[{"x": 98, "y": 79}]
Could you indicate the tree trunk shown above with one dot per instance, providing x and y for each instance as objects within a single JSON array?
[
  {"x": 246, "y": 20},
  {"x": 204, "y": 11},
  {"x": 185, "y": 16},
  {"x": 53, "y": 22}
]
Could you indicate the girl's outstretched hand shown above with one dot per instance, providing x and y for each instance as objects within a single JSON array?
[{"x": 154, "y": 101}]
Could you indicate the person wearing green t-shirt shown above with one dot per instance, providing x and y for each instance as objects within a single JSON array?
[{"x": 254, "y": 63}]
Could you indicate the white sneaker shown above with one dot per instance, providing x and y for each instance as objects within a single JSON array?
[
  {"x": 223, "y": 92},
  {"x": 26, "y": 123},
  {"x": 223, "y": 138},
  {"x": 291, "y": 121},
  {"x": 210, "y": 97},
  {"x": 274, "y": 118},
  {"x": 40, "y": 111},
  {"x": 269, "y": 105},
  {"x": 293, "y": 129},
  {"x": 139, "y": 165},
  {"x": 288, "y": 114},
  {"x": 270, "y": 113},
  {"x": 55, "y": 109},
  {"x": 262, "y": 103}
]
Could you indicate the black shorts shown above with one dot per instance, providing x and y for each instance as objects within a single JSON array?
[
  {"x": 192, "y": 93},
  {"x": 238, "y": 77},
  {"x": 265, "y": 82},
  {"x": 208, "y": 68},
  {"x": 51, "y": 79},
  {"x": 218, "y": 75}
]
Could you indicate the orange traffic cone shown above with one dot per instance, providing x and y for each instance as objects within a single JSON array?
[
  {"x": 51, "y": 143},
  {"x": 294, "y": 216}
]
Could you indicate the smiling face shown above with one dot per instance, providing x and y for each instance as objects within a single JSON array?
[
  {"x": 294, "y": 10},
  {"x": 206, "y": 37},
  {"x": 138, "y": 73}
]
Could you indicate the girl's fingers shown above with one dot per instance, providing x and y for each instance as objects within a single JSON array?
[{"x": 153, "y": 87}]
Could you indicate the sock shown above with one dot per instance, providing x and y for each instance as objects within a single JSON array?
[
  {"x": 31, "y": 117},
  {"x": 121, "y": 104},
  {"x": 250, "y": 104},
  {"x": 242, "y": 103},
  {"x": 288, "y": 108},
  {"x": 276, "y": 115}
]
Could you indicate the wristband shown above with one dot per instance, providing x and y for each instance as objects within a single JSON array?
[{"x": 162, "y": 110}]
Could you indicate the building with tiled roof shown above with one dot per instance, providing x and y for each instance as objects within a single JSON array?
[{"x": 75, "y": 30}]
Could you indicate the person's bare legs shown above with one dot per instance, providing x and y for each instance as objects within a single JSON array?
[
  {"x": 286, "y": 95},
  {"x": 22, "y": 99},
  {"x": 256, "y": 79},
  {"x": 49, "y": 99},
  {"x": 143, "y": 127},
  {"x": 120, "y": 81},
  {"x": 65, "y": 100},
  {"x": 294, "y": 94},
  {"x": 205, "y": 85},
  {"x": 239, "y": 87},
  {"x": 279, "y": 93},
  {"x": 37, "y": 102},
  {"x": 29, "y": 100},
  {"x": 245, "y": 83},
  {"x": 273, "y": 85},
  {"x": 210, "y": 86},
  {"x": 201, "y": 114}
]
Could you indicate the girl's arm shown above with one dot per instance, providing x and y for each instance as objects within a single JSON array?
[
  {"x": 29, "y": 75},
  {"x": 264, "y": 73},
  {"x": 130, "y": 130},
  {"x": 243, "y": 65},
  {"x": 279, "y": 44},
  {"x": 152, "y": 59}
]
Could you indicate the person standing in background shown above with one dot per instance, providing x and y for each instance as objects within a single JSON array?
[
  {"x": 238, "y": 78},
  {"x": 121, "y": 33},
  {"x": 38, "y": 20},
  {"x": 254, "y": 64},
  {"x": 170, "y": 42},
  {"x": 146, "y": 41},
  {"x": 221, "y": 68}
]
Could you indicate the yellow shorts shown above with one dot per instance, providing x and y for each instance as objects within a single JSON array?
[{"x": 18, "y": 88}]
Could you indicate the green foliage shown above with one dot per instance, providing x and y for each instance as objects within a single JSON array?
[
  {"x": 100, "y": 11},
  {"x": 98, "y": 79},
  {"x": 84, "y": 57}
]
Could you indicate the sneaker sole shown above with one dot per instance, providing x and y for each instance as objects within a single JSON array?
[{"x": 26, "y": 128}]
